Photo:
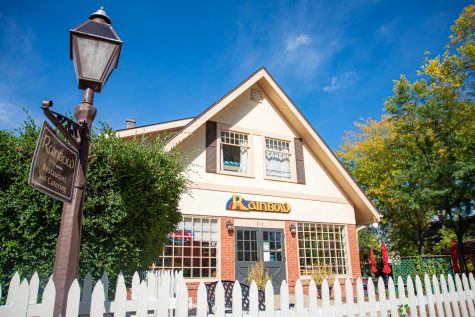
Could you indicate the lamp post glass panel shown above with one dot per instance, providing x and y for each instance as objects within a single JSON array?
[{"x": 94, "y": 49}]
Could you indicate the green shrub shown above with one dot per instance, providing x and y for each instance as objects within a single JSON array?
[{"x": 132, "y": 195}]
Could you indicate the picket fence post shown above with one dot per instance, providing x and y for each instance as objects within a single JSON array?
[
  {"x": 360, "y": 296},
  {"x": 74, "y": 293},
  {"x": 86, "y": 292},
  {"x": 299, "y": 305},
  {"x": 438, "y": 296},
  {"x": 237, "y": 300},
  {"x": 411, "y": 297},
  {"x": 312, "y": 300},
  {"x": 461, "y": 295},
  {"x": 13, "y": 287},
  {"x": 453, "y": 296},
  {"x": 420, "y": 297},
  {"x": 429, "y": 296},
  {"x": 253, "y": 300},
  {"x": 97, "y": 300},
  {"x": 202, "y": 301},
  {"x": 393, "y": 304},
  {"x": 269, "y": 295},
  {"x": 181, "y": 308},
  {"x": 34, "y": 286},
  {"x": 219, "y": 300},
  {"x": 468, "y": 295},
  {"x": 382, "y": 297},
  {"x": 284, "y": 298},
  {"x": 164, "y": 295}
]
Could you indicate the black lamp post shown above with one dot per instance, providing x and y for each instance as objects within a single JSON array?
[{"x": 95, "y": 49}]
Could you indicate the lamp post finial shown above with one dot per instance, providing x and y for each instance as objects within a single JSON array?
[{"x": 100, "y": 15}]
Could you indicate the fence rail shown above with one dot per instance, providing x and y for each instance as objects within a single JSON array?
[{"x": 165, "y": 294}]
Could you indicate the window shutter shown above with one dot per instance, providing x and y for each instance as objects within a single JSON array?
[
  {"x": 299, "y": 161},
  {"x": 211, "y": 141}
]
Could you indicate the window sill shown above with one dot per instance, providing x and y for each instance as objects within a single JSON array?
[
  {"x": 280, "y": 179},
  {"x": 201, "y": 279},
  {"x": 342, "y": 276},
  {"x": 228, "y": 173}
]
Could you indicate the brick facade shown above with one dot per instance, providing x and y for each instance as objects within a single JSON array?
[
  {"x": 292, "y": 256},
  {"x": 354, "y": 251},
  {"x": 227, "y": 253}
]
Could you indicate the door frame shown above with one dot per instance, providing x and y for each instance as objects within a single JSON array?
[{"x": 260, "y": 238}]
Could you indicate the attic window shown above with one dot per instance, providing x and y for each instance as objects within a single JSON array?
[
  {"x": 256, "y": 95},
  {"x": 234, "y": 150},
  {"x": 278, "y": 158}
]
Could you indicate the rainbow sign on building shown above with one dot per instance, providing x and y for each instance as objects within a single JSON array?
[{"x": 236, "y": 202}]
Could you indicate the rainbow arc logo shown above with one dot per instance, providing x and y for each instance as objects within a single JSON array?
[{"x": 236, "y": 202}]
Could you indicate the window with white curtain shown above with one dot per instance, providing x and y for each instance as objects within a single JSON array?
[
  {"x": 278, "y": 158},
  {"x": 234, "y": 152}
]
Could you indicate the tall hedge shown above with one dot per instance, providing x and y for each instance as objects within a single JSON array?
[{"x": 132, "y": 195}]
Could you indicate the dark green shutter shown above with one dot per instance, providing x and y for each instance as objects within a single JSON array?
[
  {"x": 211, "y": 142},
  {"x": 300, "y": 167}
]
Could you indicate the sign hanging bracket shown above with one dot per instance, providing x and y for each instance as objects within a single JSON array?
[{"x": 70, "y": 129}]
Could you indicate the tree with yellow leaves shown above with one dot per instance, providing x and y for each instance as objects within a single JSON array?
[{"x": 418, "y": 162}]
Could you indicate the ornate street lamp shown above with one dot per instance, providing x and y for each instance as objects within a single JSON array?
[{"x": 95, "y": 49}]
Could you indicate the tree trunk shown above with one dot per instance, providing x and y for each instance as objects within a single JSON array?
[{"x": 461, "y": 254}]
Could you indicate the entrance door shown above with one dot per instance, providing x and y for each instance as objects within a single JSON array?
[
  {"x": 267, "y": 244},
  {"x": 274, "y": 256}
]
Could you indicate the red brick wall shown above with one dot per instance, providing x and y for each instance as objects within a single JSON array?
[
  {"x": 226, "y": 254},
  {"x": 292, "y": 256},
  {"x": 354, "y": 251},
  {"x": 227, "y": 251},
  {"x": 193, "y": 290}
]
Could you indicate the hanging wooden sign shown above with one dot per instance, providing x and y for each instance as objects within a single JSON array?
[{"x": 54, "y": 165}]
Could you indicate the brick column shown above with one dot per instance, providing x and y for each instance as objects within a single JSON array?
[
  {"x": 292, "y": 256},
  {"x": 227, "y": 251},
  {"x": 354, "y": 251}
]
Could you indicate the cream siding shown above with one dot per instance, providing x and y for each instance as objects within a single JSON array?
[{"x": 261, "y": 119}]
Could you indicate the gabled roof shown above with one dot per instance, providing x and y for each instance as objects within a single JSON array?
[{"x": 365, "y": 211}]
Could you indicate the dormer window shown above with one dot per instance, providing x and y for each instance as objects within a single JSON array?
[{"x": 234, "y": 152}]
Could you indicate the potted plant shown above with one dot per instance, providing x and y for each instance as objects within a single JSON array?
[{"x": 321, "y": 272}]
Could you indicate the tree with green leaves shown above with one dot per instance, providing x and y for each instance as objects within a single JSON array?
[
  {"x": 131, "y": 204},
  {"x": 424, "y": 169}
]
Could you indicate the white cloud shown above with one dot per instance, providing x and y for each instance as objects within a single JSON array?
[
  {"x": 294, "y": 42},
  {"x": 341, "y": 82},
  {"x": 8, "y": 113}
]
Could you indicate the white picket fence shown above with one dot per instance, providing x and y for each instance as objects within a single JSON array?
[{"x": 165, "y": 294}]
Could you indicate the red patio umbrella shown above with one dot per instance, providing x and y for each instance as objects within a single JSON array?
[
  {"x": 455, "y": 259},
  {"x": 384, "y": 254},
  {"x": 373, "y": 261}
]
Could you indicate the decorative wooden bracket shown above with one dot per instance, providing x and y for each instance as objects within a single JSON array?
[{"x": 70, "y": 129}]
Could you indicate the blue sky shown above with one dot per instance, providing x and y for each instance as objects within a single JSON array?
[{"x": 335, "y": 59}]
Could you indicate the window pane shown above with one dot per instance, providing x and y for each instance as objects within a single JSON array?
[
  {"x": 188, "y": 248},
  {"x": 321, "y": 244}
]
